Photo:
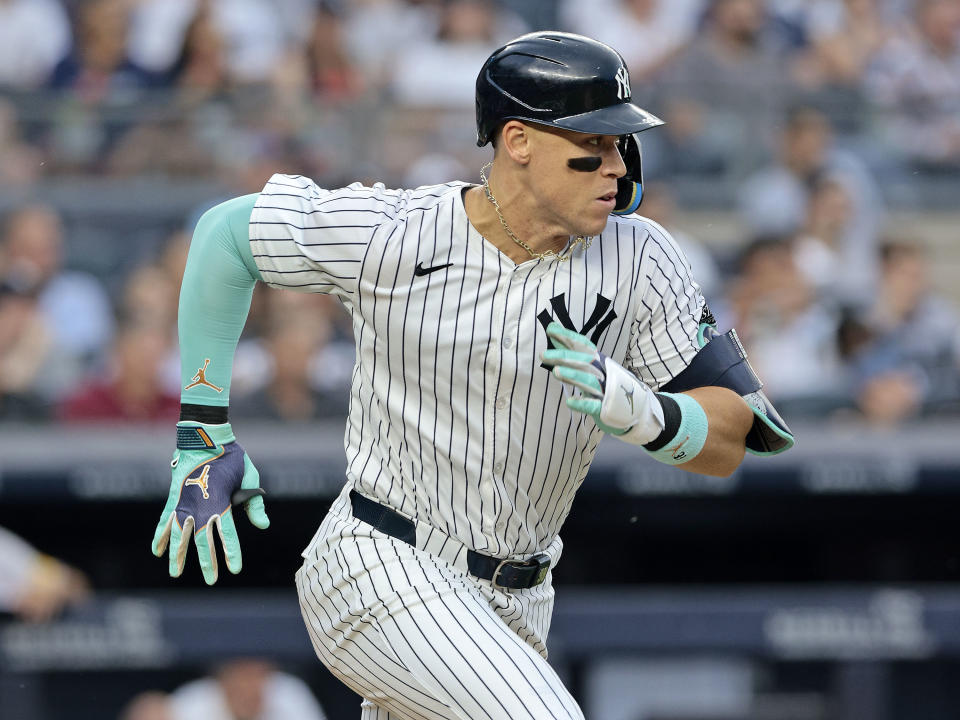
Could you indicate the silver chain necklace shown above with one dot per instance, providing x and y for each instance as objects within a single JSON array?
[{"x": 561, "y": 257}]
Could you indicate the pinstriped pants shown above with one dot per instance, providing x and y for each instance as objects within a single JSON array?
[{"x": 419, "y": 638}]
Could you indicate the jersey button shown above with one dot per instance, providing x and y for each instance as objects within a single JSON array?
[
  {"x": 498, "y": 468},
  {"x": 508, "y": 343},
  {"x": 501, "y": 403}
]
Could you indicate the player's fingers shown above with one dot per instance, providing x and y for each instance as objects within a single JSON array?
[
  {"x": 571, "y": 358},
  {"x": 589, "y": 406},
  {"x": 256, "y": 510},
  {"x": 586, "y": 382},
  {"x": 179, "y": 544},
  {"x": 251, "y": 476},
  {"x": 231, "y": 542},
  {"x": 569, "y": 339},
  {"x": 161, "y": 536},
  {"x": 205, "y": 550},
  {"x": 257, "y": 513}
]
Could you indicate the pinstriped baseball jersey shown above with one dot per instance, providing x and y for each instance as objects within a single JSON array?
[{"x": 453, "y": 420}]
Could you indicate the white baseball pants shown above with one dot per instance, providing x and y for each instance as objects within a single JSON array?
[{"x": 421, "y": 639}]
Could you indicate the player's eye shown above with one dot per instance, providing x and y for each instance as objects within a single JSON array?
[{"x": 594, "y": 141}]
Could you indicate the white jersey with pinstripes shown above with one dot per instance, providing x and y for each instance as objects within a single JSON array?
[{"x": 453, "y": 420}]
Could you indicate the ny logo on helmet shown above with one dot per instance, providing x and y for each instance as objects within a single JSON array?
[
  {"x": 623, "y": 83},
  {"x": 598, "y": 321}
]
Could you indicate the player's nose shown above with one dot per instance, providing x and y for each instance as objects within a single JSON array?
[{"x": 613, "y": 165}]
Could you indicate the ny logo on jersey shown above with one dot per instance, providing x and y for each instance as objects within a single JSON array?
[
  {"x": 623, "y": 83},
  {"x": 598, "y": 321}
]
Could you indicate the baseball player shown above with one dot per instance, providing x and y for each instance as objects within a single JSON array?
[{"x": 501, "y": 329}]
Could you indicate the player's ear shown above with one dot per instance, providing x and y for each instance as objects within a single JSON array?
[{"x": 515, "y": 140}]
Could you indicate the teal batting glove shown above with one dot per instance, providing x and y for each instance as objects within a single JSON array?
[
  {"x": 613, "y": 396},
  {"x": 211, "y": 474}
]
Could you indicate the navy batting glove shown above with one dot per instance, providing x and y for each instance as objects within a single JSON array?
[{"x": 211, "y": 474}]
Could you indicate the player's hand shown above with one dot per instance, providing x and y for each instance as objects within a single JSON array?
[
  {"x": 211, "y": 474},
  {"x": 609, "y": 393}
]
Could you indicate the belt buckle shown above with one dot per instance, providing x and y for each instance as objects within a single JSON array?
[{"x": 541, "y": 561}]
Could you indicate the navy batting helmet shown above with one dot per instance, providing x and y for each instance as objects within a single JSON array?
[{"x": 558, "y": 79}]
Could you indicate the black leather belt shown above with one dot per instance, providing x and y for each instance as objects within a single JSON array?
[{"x": 513, "y": 574}]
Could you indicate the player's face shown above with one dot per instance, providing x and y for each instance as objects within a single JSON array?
[{"x": 573, "y": 196}]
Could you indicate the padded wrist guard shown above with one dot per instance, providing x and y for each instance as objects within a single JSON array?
[
  {"x": 684, "y": 433},
  {"x": 723, "y": 362}
]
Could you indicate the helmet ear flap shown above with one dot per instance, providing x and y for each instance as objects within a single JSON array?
[
  {"x": 630, "y": 186},
  {"x": 629, "y": 147}
]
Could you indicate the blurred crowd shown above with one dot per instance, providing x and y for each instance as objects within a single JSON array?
[
  {"x": 71, "y": 351},
  {"x": 121, "y": 87},
  {"x": 237, "y": 689},
  {"x": 802, "y": 115}
]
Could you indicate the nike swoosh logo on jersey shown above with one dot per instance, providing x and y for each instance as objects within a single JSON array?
[{"x": 420, "y": 270}]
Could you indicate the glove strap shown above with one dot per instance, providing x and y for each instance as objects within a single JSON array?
[
  {"x": 200, "y": 436},
  {"x": 206, "y": 414},
  {"x": 630, "y": 406}
]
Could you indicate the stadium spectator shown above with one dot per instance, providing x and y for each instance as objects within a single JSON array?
[
  {"x": 375, "y": 30},
  {"x": 296, "y": 332},
  {"x": 916, "y": 82},
  {"x": 207, "y": 45},
  {"x": 26, "y": 352},
  {"x": 649, "y": 32},
  {"x": 330, "y": 72},
  {"x": 843, "y": 37},
  {"x": 790, "y": 333},
  {"x": 158, "y": 29},
  {"x": 150, "y": 297},
  {"x": 131, "y": 388},
  {"x": 148, "y": 705},
  {"x": 21, "y": 164},
  {"x": 33, "y": 586},
  {"x": 97, "y": 68},
  {"x": 253, "y": 38},
  {"x": 247, "y": 688},
  {"x": 442, "y": 72},
  {"x": 690, "y": 144},
  {"x": 320, "y": 66},
  {"x": 200, "y": 70},
  {"x": 735, "y": 63},
  {"x": 775, "y": 199},
  {"x": 819, "y": 244},
  {"x": 908, "y": 359},
  {"x": 156, "y": 32},
  {"x": 34, "y": 37},
  {"x": 177, "y": 143},
  {"x": 74, "y": 305}
]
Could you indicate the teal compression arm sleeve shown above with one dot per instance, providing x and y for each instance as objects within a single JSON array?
[{"x": 214, "y": 301}]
